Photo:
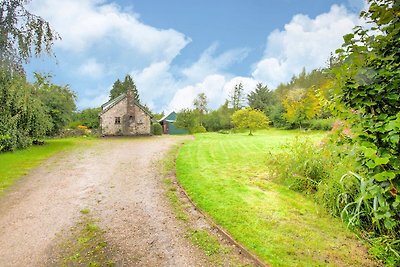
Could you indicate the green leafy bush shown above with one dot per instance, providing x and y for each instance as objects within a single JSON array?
[
  {"x": 156, "y": 129},
  {"x": 23, "y": 116},
  {"x": 321, "y": 124},
  {"x": 315, "y": 169},
  {"x": 198, "y": 129},
  {"x": 367, "y": 93}
]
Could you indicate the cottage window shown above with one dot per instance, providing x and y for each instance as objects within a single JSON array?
[{"x": 117, "y": 120}]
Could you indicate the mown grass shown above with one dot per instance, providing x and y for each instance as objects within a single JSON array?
[
  {"x": 15, "y": 164},
  {"x": 218, "y": 253},
  {"x": 228, "y": 177}
]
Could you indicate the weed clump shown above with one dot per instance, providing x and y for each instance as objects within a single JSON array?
[{"x": 327, "y": 173}]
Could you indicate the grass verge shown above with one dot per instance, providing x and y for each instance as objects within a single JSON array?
[
  {"x": 216, "y": 251},
  {"x": 227, "y": 176},
  {"x": 15, "y": 164}
]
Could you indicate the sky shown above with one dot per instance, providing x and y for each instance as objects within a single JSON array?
[{"x": 176, "y": 49}]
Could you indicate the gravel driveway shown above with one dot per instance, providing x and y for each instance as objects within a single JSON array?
[{"x": 119, "y": 180}]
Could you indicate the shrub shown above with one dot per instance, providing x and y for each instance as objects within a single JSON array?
[
  {"x": 314, "y": 169},
  {"x": 156, "y": 129},
  {"x": 321, "y": 124},
  {"x": 324, "y": 172},
  {"x": 198, "y": 129}
]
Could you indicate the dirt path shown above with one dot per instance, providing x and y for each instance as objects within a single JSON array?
[{"x": 118, "y": 179}]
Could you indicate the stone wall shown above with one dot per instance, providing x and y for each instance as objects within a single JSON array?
[{"x": 132, "y": 120}]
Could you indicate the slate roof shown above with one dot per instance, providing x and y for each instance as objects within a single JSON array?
[
  {"x": 107, "y": 106},
  {"x": 165, "y": 118}
]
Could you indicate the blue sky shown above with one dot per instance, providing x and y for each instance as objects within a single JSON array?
[{"x": 176, "y": 49}]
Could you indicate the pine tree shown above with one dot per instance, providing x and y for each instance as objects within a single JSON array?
[{"x": 122, "y": 87}]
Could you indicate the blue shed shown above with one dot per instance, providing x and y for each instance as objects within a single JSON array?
[{"x": 167, "y": 123}]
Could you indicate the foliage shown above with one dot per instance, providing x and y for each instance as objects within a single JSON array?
[
  {"x": 227, "y": 177},
  {"x": 59, "y": 102},
  {"x": 368, "y": 84},
  {"x": 301, "y": 105},
  {"x": 261, "y": 98},
  {"x": 22, "y": 34},
  {"x": 198, "y": 129},
  {"x": 88, "y": 117},
  {"x": 237, "y": 97},
  {"x": 156, "y": 129},
  {"x": 186, "y": 119},
  {"x": 200, "y": 105},
  {"x": 158, "y": 116},
  {"x": 122, "y": 87},
  {"x": 320, "y": 124},
  {"x": 219, "y": 119},
  {"x": 315, "y": 169},
  {"x": 250, "y": 119},
  {"x": 23, "y": 117}
]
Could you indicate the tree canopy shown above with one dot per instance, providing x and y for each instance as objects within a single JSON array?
[
  {"x": 22, "y": 34},
  {"x": 122, "y": 87},
  {"x": 261, "y": 98},
  {"x": 237, "y": 97},
  {"x": 250, "y": 119}
]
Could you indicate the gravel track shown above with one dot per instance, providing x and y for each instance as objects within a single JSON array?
[{"x": 119, "y": 180}]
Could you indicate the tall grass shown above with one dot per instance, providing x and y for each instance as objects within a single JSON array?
[
  {"x": 326, "y": 172},
  {"x": 315, "y": 168}
]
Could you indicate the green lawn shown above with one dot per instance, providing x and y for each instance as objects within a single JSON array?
[
  {"x": 227, "y": 176},
  {"x": 15, "y": 164}
]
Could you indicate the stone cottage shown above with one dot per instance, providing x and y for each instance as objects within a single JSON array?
[{"x": 124, "y": 116}]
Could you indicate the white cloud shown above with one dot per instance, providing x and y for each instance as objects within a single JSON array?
[
  {"x": 83, "y": 24},
  {"x": 158, "y": 83},
  {"x": 91, "y": 68},
  {"x": 304, "y": 42},
  {"x": 155, "y": 83},
  {"x": 210, "y": 63},
  {"x": 103, "y": 41},
  {"x": 216, "y": 87},
  {"x": 212, "y": 86}
]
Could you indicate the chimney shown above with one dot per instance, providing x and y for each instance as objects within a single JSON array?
[{"x": 130, "y": 109}]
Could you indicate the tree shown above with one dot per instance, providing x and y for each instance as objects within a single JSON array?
[
  {"x": 261, "y": 98},
  {"x": 186, "y": 119},
  {"x": 368, "y": 82},
  {"x": 200, "y": 104},
  {"x": 58, "y": 100},
  {"x": 237, "y": 97},
  {"x": 219, "y": 119},
  {"x": 22, "y": 34},
  {"x": 122, "y": 87},
  {"x": 88, "y": 117},
  {"x": 250, "y": 119},
  {"x": 301, "y": 105},
  {"x": 117, "y": 89},
  {"x": 23, "y": 117}
]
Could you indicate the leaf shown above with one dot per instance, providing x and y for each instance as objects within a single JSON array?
[
  {"x": 369, "y": 152},
  {"x": 381, "y": 161},
  {"x": 348, "y": 37},
  {"x": 371, "y": 164},
  {"x": 384, "y": 176}
]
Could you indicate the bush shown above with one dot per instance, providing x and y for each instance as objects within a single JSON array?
[
  {"x": 156, "y": 129},
  {"x": 324, "y": 171},
  {"x": 198, "y": 129},
  {"x": 315, "y": 169},
  {"x": 321, "y": 124}
]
